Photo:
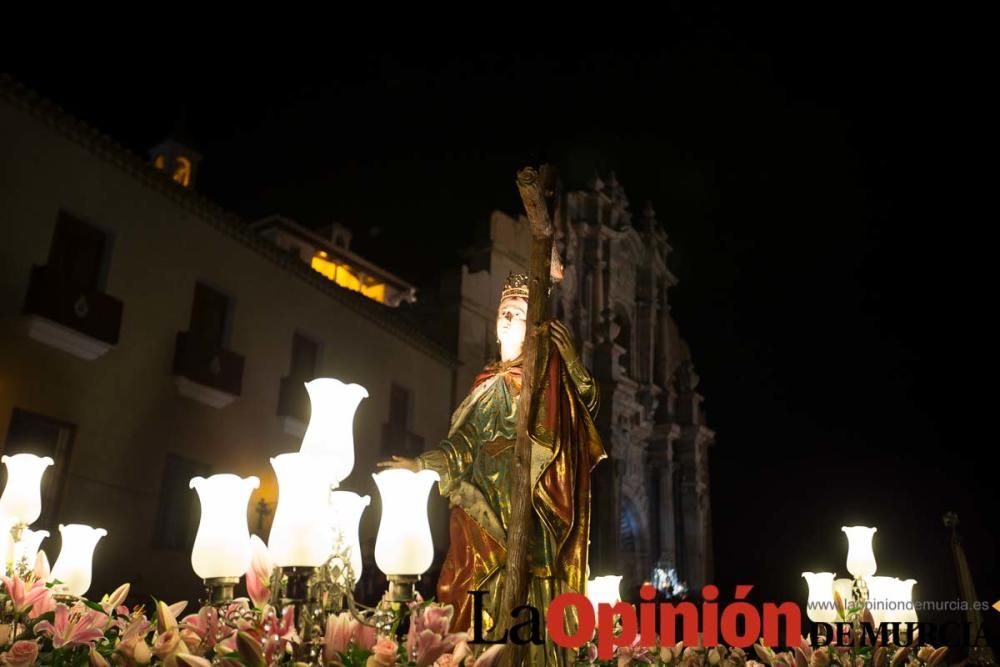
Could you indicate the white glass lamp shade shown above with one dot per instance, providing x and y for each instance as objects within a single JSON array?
[
  {"x": 331, "y": 425},
  {"x": 27, "y": 548},
  {"x": 22, "y": 497},
  {"x": 74, "y": 567},
  {"x": 906, "y": 613},
  {"x": 346, "y": 509},
  {"x": 300, "y": 534},
  {"x": 845, "y": 587},
  {"x": 403, "y": 545},
  {"x": 881, "y": 597},
  {"x": 860, "y": 557},
  {"x": 222, "y": 546},
  {"x": 604, "y": 590},
  {"x": 820, "y": 607}
]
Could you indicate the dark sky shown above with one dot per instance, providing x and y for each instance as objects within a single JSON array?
[{"x": 816, "y": 174}]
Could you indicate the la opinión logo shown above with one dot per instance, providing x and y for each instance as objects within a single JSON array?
[{"x": 738, "y": 624}]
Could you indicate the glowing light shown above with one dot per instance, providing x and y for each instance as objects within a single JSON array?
[
  {"x": 74, "y": 567},
  {"x": 404, "y": 545},
  {"x": 345, "y": 277},
  {"x": 222, "y": 547},
  {"x": 820, "y": 608},
  {"x": 330, "y": 434},
  {"x": 860, "y": 557},
  {"x": 182, "y": 172}
]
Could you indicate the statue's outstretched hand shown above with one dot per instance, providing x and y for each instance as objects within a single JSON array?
[
  {"x": 563, "y": 339},
  {"x": 401, "y": 462}
]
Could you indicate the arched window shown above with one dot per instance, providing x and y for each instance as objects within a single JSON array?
[{"x": 629, "y": 528}]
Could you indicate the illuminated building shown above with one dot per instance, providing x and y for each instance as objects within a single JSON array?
[{"x": 328, "y": 252}]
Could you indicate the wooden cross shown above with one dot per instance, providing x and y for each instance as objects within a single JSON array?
[{"x": 538, "y": 192}]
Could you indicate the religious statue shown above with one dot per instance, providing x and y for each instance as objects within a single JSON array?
[{"x": 475, "y": 464}]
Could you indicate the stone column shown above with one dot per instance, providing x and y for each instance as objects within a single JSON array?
[
  {"x": 604, "y": 518},
  {"x": 692, "y": 457}
]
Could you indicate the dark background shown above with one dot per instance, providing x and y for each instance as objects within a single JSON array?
[{"x": 817, "y": 172}]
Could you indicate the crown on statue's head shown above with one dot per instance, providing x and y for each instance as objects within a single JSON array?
[{"x": 516, "y": 286}]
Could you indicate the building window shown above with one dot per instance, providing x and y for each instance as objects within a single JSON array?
[
  {"x": 305, "y": 357},
  {"x": 29, "y": 433},
  {"x": 396, "y": 436},
  {"x": 399, "y": 407},
  {"x": 177, "y": 514},
  {"x": 348, "y": 278},
  {"x": 293, "y": 400},
  {"x": 210, "y": 315},
  {"x": 78, "y": 252}
]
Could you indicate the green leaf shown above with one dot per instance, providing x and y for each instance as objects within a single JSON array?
[
  {"x": 250, "y": 650},
  {"x": 355, "y": 656},
  {"x": 93, "y": 605}
]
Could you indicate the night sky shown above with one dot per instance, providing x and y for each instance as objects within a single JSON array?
[{"x": 816, "y": 175}]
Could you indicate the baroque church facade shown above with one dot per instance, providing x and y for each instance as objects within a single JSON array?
[{"x": 651, "y": 506}]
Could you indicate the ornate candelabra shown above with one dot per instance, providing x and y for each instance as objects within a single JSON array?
[
  {"x": 313, "y": 542},
  {"x": 887, "y": 599}
]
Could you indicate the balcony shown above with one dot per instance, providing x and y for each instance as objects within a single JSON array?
[
  {"x": 294, "y": 406},
  {"x": 205, "y": 372},
  {"x": 81, "y": 321}
]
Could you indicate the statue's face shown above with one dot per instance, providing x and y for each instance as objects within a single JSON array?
[{"x": 512, "y": 322}]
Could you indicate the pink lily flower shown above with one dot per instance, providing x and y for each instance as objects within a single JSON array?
[
  {"x": 22, "y": 596},
  {"x": 70, "y": 629},
  {"x": 97, "y": 619},
  {"x": 204, "y": 629},
  {"x": 428, "y": 638},
  {"x": 110, "y": 603},
  {"x": 634, "y": 653},
  {"x": 282, "y": 631},
  {"x": 337, "y": 636},
  {"x": 166, "y": 615},
  {"x": 132, "y": 648},
  {"x": 259, "y": 575},
  {"x": 135, "y": 628},
  {"x": 244, "y": 627},
  {"x": 45, "y": 604},
  {"x": 362, "y": 635}
]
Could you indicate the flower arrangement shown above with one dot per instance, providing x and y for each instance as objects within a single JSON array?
[
  {"x": 41, "y": 626},
  {"x": 803, "y": 655}
]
